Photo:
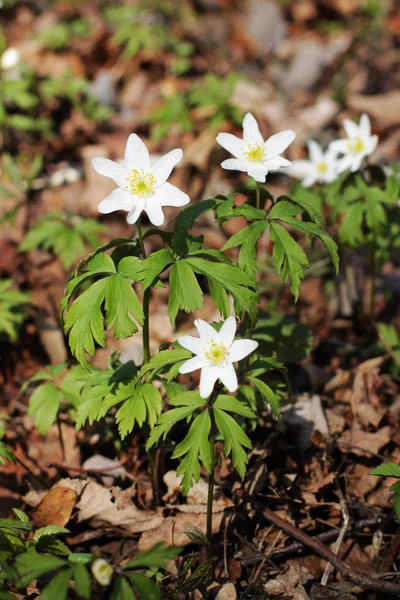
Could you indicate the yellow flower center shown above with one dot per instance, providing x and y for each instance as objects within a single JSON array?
[
  {"x": 356, "y": 145},
  {"x": 255, "y": 153},
  {"x": 216, "y": 353},
  {"x": 141, "y": 183},
  {"x": 322, "y": 167}
]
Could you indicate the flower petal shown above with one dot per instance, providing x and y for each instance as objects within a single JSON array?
[
  {"x": 206, "y": 332},
  {"x": 136, "y": 154},
  {"x": 251, "y": 131},
  {"x": 372, "y": 143},
  {"x": 278, "y": 162},
  {"x": 228, "y": 331},
  {"x": 170, "y": 195},
  {"x": 345, "y": 163},
  {"x": 257, "y": 172},
  {"x": 231, "y": 143},
  {"x": 241, "y": 348},
  {"x": 301, "y": 168},
  {"x": 117, "y": 200},
  {"x": 365, "y": 125},
  {"x": 310, "y": 179},
  {"x": 154, "y": 211},
  {"x": 191, "y": 343},
  {"x": 138, "y": 206},
  {"x": 228, "y": 377},
  {"x": 208, "y": 377},
  {"x": 315, "y": 152},
  {"x": 197, "y": 362},
  {"x": 111, "y": 169},
  {"x": 351, "y": 128},
  {"x": 162, "y": 168},
  {"x": 278, "y": 143},
  {"x": 235, "y": 164},
  {"x": 338, "y": 147}
]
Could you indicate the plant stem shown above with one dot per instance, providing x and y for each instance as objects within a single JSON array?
[
  {"x": 211, "y": 479},
  {"x": 257, "y": 195},
  {"x": 140, "y": 233},
  {"x": 61, "y": 438},
  {"x": 373, "y": 282}
]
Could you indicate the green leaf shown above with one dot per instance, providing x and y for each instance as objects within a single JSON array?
[
  {"x": 234, "y": 440},
  {"x": 156, "y": 557},
  {"x": 351, "y": 227},
  {"x": 85, "y": 320},
  {"x": 194, "y": 444},
  {"x": 32, "y": 565},
  {"x": 145, "y": 587},
  {"x": 44, "y": 405},
  {"x": 188, "y": 216},
  {"x": 232, "y": 404},
  {"x": 82, "y": 581},
  {"x": 389, "y": 469},
  {"x": 49, "y": 530},
  {"x": 252, "y": 232},
  {"x": 58, "y": 587},
  {"x": 122, "y": 590},
  {"x": 188, "y": 403},
  {"x": 289, "y": 258},
  {"x": 122, "y": 307},
  {"x": 267, "y": 394},
  {"x": 233, "y": 279},
  {"x": 144, "y": 405},
  {"x": 154, "y": 265},
  {"x": 163, "y": 359},
  {"x": 185, "y": 292}
]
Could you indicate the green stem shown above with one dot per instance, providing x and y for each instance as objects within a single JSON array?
[
  {"x": 211, "y": 479},
  {"x": 146, "y": 331},
  {"x": 373, "y": 282},
  {"x": 61, "y": 438},
  {"x": 258, "y": 199},
  {"x": 140, "y": 233}
]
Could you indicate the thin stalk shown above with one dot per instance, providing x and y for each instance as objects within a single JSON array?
[
  {"x": 373, "y": 266},
  {"x": 61, "y": 438},
  {"x": 258, "y": 198},
  {"x": 211, "y": 479},
  {"x": 146, "y": 331}
]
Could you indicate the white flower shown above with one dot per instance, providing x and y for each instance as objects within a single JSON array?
[
  {"x": 358, "y": 144},
  {"x": 102, "y": 571},
  {"x": 10, "y": 59},
  {"x": 321, "y": 167},
  {"x": 252, "y": 154},
  {"x": 141, "y": 185},
  {"x": 215, "y": 352}
]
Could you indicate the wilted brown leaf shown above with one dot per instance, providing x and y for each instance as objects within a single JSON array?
[{"x": 56, "y": 507}]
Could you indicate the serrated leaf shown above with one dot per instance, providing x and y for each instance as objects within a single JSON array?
[
  {"x": 389, "y": 469},
  {"x": 85, "y": 320},
  {"x": 154, "y": 265},
  {"x": 232, "y": 404},
  {"x": 185, "y": 292},
  {"x": 144, "y": 405},
  {"x": 289, "y": 257},
  {"x": 168, "y": 419},
  {"x": 350, "y": 231},
  {"x": 195, "y": 444},
  {"x": 252, "y": 232},
  {"x": 188, "y": 216},
  {"x": 122, "y": 307},
  {"x": 267, "y": 394},
  {"x": 44, "y": 405},
  {"x": 234, "y": 440},
  {"x": 163, "y": 359}
]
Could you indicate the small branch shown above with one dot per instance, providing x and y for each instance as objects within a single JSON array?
[
  {"x": 364, "y": 581},
  {"x": 342, "y": 533}
]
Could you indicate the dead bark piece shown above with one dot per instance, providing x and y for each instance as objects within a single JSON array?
[{"x": 56, "y": 507}]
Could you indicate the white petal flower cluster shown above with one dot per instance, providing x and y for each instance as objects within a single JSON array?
[
  {"x": 252, "y": 155},
  {"x": 322, "y": 167},
  {"x": 141, "y": 185},
  {"x": 358, "y": 144},
  {"x": 215, "y": 352},
  {"x": 10, "y": 59}
]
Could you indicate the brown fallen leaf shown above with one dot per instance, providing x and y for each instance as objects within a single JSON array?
[
  {"x": 172, "y": 530},
  {"x": 382, "y": 107},
  {"x": 56, "y": 507},
  {"x": 362, "y": 442}
]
